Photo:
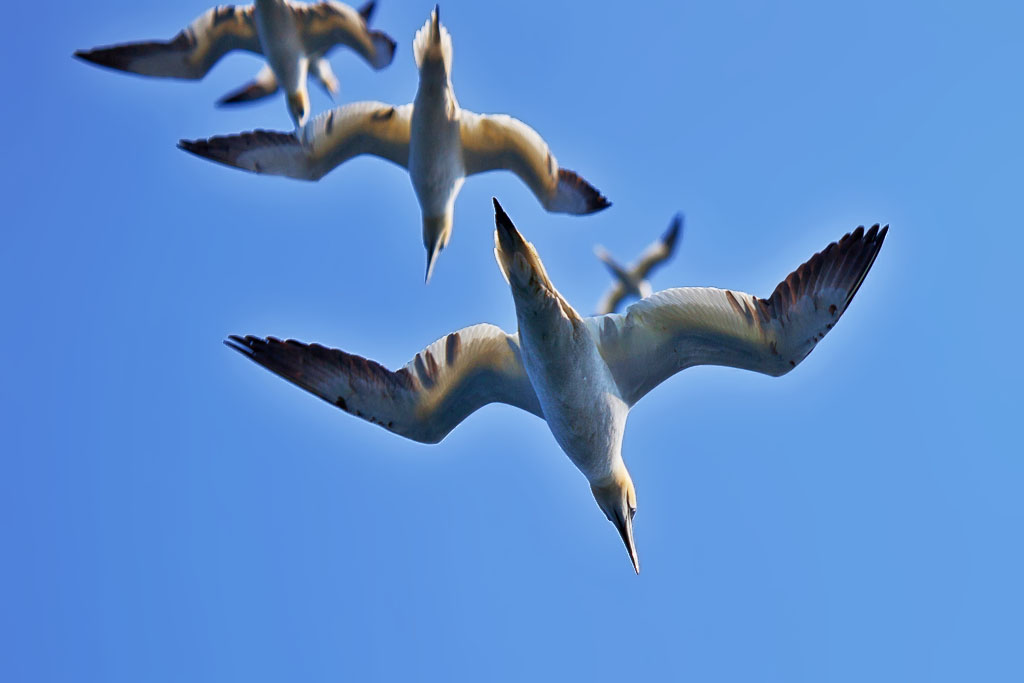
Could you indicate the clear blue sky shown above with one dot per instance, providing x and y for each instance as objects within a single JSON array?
[{"x": 173, "y": 512}]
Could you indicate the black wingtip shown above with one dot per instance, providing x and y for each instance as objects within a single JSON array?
[
  {"x": 675, "y": 229},
  {"x": 248, "y": 93},
  {"x": 236, "y": 343},
  {"x": 117, "y": 57},
  {"x": 367, "y": 10},
  {"x": 573, "y": 187},
  {"x": 90, "y": 56}
]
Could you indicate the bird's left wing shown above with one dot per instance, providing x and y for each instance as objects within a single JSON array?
[
  {"x": 493, "y": 142},
  {"x": 679, "y": 328},
  {"x": 617, "y": 292},
  {"x": 423, "y": 401},
  {"x": 612, "y": 298},
  {"x": 319, "y": 146},
  {"x": 660, "y": 251},
  {"x": 191, "y": 53},
  {"x": 326, "y": 24}
]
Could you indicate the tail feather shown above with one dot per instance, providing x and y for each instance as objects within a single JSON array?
[
  {"x": 517, "y": 258},
  {"x": 433, "y": 41},
  {"x": 523, "y": 270}
]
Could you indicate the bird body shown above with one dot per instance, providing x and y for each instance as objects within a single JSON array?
[
  {"x": 576, "y": 390},
  {"x": 581, "y": 375},
  {"x": 281, "y": 41},
  {"x": 438, "y": 142},
  {"x": 294, "y": 37}
]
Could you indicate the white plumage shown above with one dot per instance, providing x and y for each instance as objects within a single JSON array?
[{"x": 582, "y": 375}]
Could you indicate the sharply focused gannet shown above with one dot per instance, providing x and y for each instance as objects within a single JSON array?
[
  {"x": 632, "y": 280},
  {"x": 294, "y": 37},
  {"x": 438, "y": 142},
  {"x": 581, "y": 375}
]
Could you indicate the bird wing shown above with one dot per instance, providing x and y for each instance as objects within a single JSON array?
[
  {"x": 326, "y": 24},
  {"x": 191, "y": 53},
  {"x": 492, "y": 142},
  {"x": 678, "y": 328},
  {"x": 660, "y": 251},
  {"x": 611, "y": 299},
  {"x": 617, "y": 271},
  {"x": 422, "y": 401},
  {"x": 263, "y": 85},
  {"x": 618, "y": 291},
  {"x": 317, "y": 147}
]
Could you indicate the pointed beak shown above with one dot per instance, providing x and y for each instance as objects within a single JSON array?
[
  {"x": 431, "y": 260},
  {"x": 435, "y": 24},
  {"x": 625, "y": 527}
]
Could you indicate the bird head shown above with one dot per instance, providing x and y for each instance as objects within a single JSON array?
[
  {"x": 617, "y": 499},
  {"x": 298, "y": 106},
  {"x": 437, "y": 231}
]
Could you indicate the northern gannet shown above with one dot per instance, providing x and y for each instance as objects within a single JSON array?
[
  {"x": 581, "y": 375},
  {"x": 294, "y": 37},
  {"x": 437, "y": 141},
  {"x": 632, "y": 281}
]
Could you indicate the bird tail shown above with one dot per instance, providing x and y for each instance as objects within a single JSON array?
[
  {"x": 433, "y": 40},
  {"x": 523, "y": 270}
]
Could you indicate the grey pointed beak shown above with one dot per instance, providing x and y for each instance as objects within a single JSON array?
[
  {"x": 435, "y": 27},
  {"x": 625, "y": 527},
  {"x": 431, "y": 260}
]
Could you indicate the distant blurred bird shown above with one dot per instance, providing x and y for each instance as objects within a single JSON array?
[
  {"x": 438, "y": 142},
  {"x": 294, "y": 37},
  {"x": 581, "y": 375},
  {"x": 632, "y": 281}
]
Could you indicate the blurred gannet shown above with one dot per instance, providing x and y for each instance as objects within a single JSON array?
[
  {"x": 581, "y": 375},
  {"x": 294, "y": 37},
  {"x": 632, "y": 280},
  {"x": 437, "y": 141}
]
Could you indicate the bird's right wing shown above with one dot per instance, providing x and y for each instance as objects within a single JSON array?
[
  {"x": 191, "y": 53},
  {"x": 660, "y": 251},
  {"x": 319, "y": 146},
  {"x": 326, "y": 24},
  {"x": 495, "y": 141},
  {"x": 423, "y": 401},
  {"x": 678, "y": 328}
]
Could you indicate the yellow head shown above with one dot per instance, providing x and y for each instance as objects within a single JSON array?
[{"x": 298, "y": 106}]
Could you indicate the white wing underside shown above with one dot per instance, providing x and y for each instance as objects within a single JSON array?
[
  {"x": 498, "y": 142},
  {"x": 191, "y": 53},
  {"x": 322, "y": 144},
  {"x": 679, "y": 328}
]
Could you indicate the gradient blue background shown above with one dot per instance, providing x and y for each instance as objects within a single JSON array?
[{"x": 172, "y": 512}]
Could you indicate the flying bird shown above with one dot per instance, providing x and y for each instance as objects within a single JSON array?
[
  {"x": 437, "y": 141},
  {"x": 632, "y": 281},
  {"x": 581, "y": 375},
  {"x": 294, "y": 37}
]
